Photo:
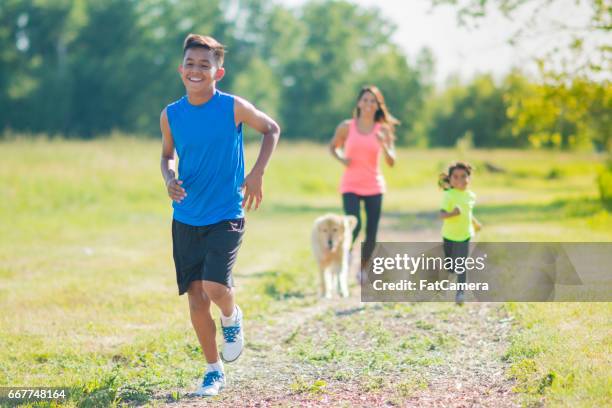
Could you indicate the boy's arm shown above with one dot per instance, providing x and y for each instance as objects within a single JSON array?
[
  {"x": 175, "y": 191},
  {"x": 245, "y": 112}
]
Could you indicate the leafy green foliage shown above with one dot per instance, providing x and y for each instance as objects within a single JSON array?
[
  {"x": 80, "y": 68},
  {"x": 604, "y": 181},
  {"x": 87, "y": 68}
]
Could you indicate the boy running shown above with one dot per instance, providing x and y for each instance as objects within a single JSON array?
[{"x": 210, "y": 195}]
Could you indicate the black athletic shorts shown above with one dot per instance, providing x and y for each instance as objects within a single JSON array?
[{"x": 206, "y": 253}]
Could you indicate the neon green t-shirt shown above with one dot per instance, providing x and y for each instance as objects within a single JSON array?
[{"x": 460, "y": 227}]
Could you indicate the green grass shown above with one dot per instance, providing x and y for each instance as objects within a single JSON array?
[
  {"x": 374, "y": 348},
  {"x": 87, "y": 287},
  {"x": 562, "y": 354}
]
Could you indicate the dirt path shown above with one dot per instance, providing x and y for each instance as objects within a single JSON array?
[{"x": 346, "y": 353}]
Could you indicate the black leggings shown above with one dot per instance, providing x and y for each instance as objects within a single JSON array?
[
  {"x": 457, "y": 249},
  {"x": 373, "y": 204}
]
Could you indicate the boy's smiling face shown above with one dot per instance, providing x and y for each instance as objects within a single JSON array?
[{"x": 200, "y": 69}]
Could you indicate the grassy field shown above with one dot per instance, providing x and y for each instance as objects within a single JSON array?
[{"x": 88, "y": 297}]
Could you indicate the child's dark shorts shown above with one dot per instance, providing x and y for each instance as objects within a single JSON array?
[{"x": 206, "y": 253}]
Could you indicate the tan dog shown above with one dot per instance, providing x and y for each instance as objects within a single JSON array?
[{"x": 331, "y": 244}]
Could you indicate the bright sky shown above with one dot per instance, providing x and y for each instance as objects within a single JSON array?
[{"x": 470, "y": 50}]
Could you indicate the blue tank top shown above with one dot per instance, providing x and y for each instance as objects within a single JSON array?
[{"x": 211, "y": 159}]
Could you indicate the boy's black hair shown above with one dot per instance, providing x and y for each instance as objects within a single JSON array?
[{"x": 206, "y": 42}]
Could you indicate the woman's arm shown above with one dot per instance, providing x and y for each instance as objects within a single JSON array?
[
  {"x": 337, "y": 142},
  {"x": 385, "y": 138}
]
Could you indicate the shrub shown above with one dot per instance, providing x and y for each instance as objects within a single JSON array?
[{"x": 604, "y": 180}]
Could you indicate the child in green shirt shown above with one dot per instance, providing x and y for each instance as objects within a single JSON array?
[{"x": 459, "y": 223}]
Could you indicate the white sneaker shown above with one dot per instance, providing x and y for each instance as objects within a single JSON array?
[
  {"x": 212, "y": 383},
  {"x": 233, "y": 337}
]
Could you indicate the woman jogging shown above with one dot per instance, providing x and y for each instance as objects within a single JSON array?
[{"x": 358, "y": 144}]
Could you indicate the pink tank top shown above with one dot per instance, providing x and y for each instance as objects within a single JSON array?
[{"x": 362, "y": 176}]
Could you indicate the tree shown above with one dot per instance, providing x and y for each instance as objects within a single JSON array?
[
  {"x": 561, "y": 115},
  {"x": 83, "y": 68},
  {"x": 345, "y": 47},
  {"x": 570, "y": 104},
  {"x": 33, "y": 63},
  {"x": 477, "y": 110},
  {"x": 591, "y": 53}
]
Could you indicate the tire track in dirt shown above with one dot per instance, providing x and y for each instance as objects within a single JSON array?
[{"x": 472, "y": 373}]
